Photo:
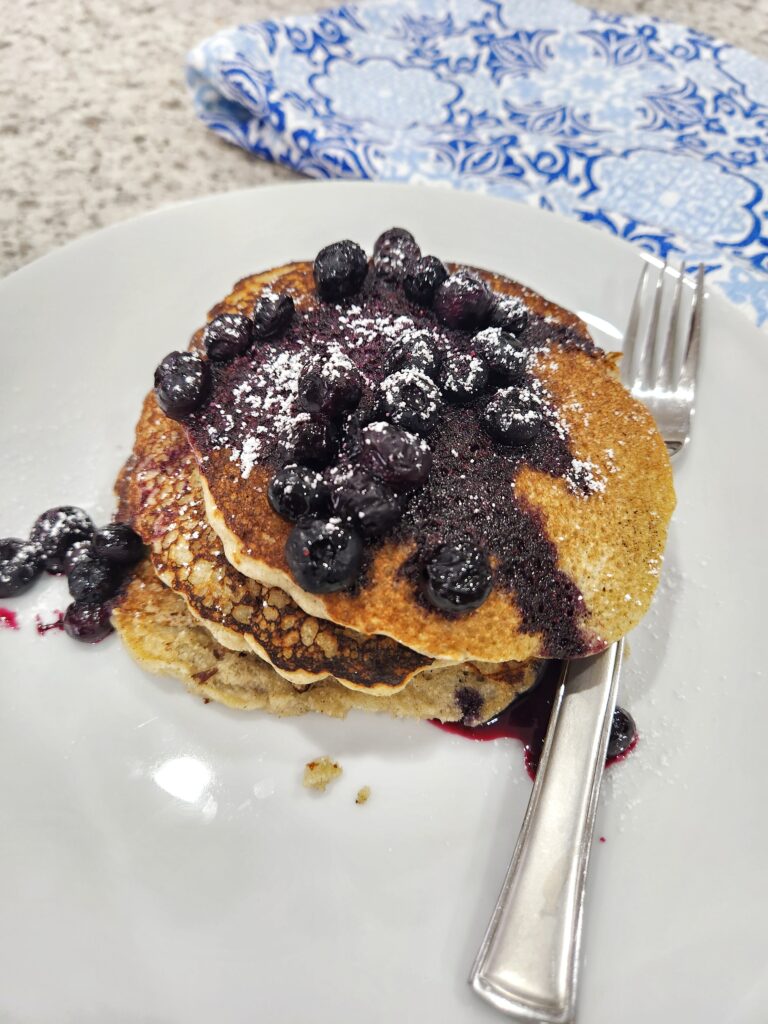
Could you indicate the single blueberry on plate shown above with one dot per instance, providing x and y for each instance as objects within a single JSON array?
[
  {"x": 507, "y": 357},
  {"x": 182, "y": 384},
  {"x": 411, "y": 400},
  {"x": 513, "y": 416},
  {"x": 324, "y": 556},
  {"x": 422, "y": 280},
  {"x": 464, "y": 376},
  {"x": 93, "y": 580},
  {"x": 227, "y": 336},
  {"x": 87, "y": 621},
  {"x": 21, "y": 562},
  {"x": 458, "y": 577},
  {"x": 398, "y": 458},
  {"x": 296, "y": 492},
  {"x": 57, "y": 530},
  {"x": 340, "y": 270},
  {"x": 271, "y": 315},
  {"x": 119, "y": 543},
  {"x": 463, "y": 300},
  {"x": 365, "y": 503},
  {"x": 623, "y": 733}
]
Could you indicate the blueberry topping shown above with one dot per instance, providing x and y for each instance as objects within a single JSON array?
[
  {"x": 411, "y": 400},
  {"x": 458, "y": 578},
  {"x": 391, "y": 236},
  {"x": 227, "y": 336},
  {"x": 464, "y": 377},
  {"x": 394, "y": 255},
  {"x": 509, "y": 312},
  {"x": 88, "y": 622},
  {"x": 417, "y": 349},
  {"x": 506, "y": 355},
  {"x": 340, "y": 270},
  {"x": 118, "y": 543},
  {"x": 21, "y": 562},
  {"x": 463, "y": 300},
  {"x": 513, "y": 416},
  {"x": 423, "y": 279},
  {"x": 182, "y": 384},
  {"x": 366, "y": 504},
  {"x": 331, "y": 386},
  {"x": 399, "y": 459},
  {"x": 57, "y": 530},
  {"x": 82, "y": 549},
  {"x": 93, "y": 579},
  {"x": 314, "y": 442},
  {"x": 323, "y": 556},
  {"x": 271, "y": 316},
  {"x": 296, "y": 492},
  {"x": 623, "y": 733}
]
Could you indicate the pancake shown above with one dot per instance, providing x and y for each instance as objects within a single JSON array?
[
  {"x": 163, "y": 637},
  {"x": 160, "y": 496},
  {"x": 574, "y": 523}
]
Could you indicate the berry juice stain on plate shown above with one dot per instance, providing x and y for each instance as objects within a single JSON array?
[
  {"x": 527, "y": 718},
  {"x": 8, "y": 619},
  {"x": 45, "y": 627}
]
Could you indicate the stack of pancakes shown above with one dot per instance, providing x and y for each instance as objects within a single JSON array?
[{"x": 216, "y": 605}]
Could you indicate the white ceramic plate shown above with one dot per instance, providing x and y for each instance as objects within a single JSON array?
[{"x": 159, "y": 858}]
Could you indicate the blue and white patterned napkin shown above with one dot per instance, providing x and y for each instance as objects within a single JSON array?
[{"x": 652, "y": 131}]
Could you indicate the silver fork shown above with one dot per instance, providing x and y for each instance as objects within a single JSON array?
[{"x": 528, "y": 963}]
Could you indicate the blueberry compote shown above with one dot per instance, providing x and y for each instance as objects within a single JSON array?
[
  {"x": 404, "y": 390},
  {"x": 527, "y": 718}
]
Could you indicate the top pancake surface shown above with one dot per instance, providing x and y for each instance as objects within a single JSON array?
[{"x": 574, "y": 523}]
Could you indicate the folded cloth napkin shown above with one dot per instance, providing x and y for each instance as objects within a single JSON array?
[{"x": 652, "y": 131}]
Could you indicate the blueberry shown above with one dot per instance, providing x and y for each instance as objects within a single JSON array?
[
  {"x": 93, "y": 579},
  {"x": 470, "y": 702},
  {"x": 118, "y": 543},
  {"x": 411, "y": 400},
  {"x": 423, "y": 279},
  {"x": 414, "y": 348},
  {"x": 399, "y": 459},
  {"x": 390, "y": 236},
  {"x": 227, "y": 336},
  {"x": 21, "y": 562},
  {"x": 458, "y": 578},
  {"x": 506, "y": 355},
  {"x": 464, "y": 377},
  {"x": 340, "y": 270},
  {"x": 57, "y": 530},
  {"x": 82, "y": 549},
  {"x": 296, "y": 492},
  {"x": 182, "y": 384},
  {"x": 513, "y": 416},
  {"x": 623, "y": 733},
  {"x": 87, "y": 622},
  {"x": 314, "y": 442},
  {"x": 323, "y": 556},
  {"x": 331, "y": 386},
  {"x": 394, "y": 254},
  {"x": 463, "y": 300},
  {"x": 365, "y": 503},
  {"x": 271, "y": 315},
  {"x": 509, "y": 312}
]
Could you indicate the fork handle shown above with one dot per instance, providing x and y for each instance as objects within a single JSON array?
[{"x": 528, "y": 962}]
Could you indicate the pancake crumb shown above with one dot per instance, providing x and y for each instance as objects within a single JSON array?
[
  {"x": 320, "y": 772},
  {"x": 362, "y": 795}
]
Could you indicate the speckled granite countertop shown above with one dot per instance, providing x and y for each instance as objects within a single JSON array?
[{"x": 95, "y": 121}]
